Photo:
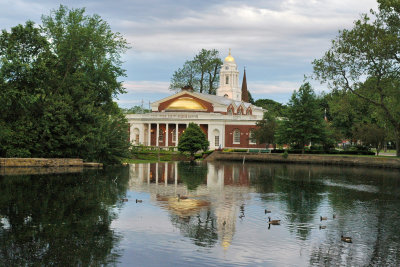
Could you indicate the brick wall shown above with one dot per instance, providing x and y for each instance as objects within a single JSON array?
[{"x": 244, "y": 136}]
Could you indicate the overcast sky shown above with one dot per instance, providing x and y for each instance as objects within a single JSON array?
[{"x": 276, "y": 40}]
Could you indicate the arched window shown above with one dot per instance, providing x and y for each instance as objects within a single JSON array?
[
  {"x": 230, "y": 111},
  {"x": 236, "y": 136},
  {"x": 249, "y": 111},
  {"x": 226, "y": 79},
  {"x": 239, "y": 111},
  {"x": 252, "y": 137}
]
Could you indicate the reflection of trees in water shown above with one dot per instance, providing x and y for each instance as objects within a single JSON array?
[
  {"x": 201, "y": 228},
  {"x": 299, "y": 190},
  {"x": 302, "y": 195},
  {"x": 192, "y": 174},
  {"x": 60, "y": 219},
  {"x": 367, "y": 206}
]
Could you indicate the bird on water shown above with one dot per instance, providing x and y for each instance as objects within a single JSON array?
[
  {"x": 346, "y": 239},
  {"x": 274, "y": 222}
]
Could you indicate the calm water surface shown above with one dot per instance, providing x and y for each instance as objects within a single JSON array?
[{"x": 91, "y": 218}]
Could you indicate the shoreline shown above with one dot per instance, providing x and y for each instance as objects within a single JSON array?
[
  {"x": 376, "y": 162},
  {"x": 47, "y": 163}
]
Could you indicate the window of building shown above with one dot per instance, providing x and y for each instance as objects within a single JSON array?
[
  {"x": 160, "y": 135},
  {"x": 252, "y": 137},
  {"x": 226, "y": 79},
  {"x": 239, "y": 112},
  {"x": 216, "y": 141},
  {"x": 236, "y": 136},
  {"x": 173, "y": 135},
  {"x": 248, "y": 111},
  {"x": 230, "y": 112}
]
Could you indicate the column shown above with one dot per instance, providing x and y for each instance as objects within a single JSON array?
[
  {"x": 166, "y": 134},
  {"x": 176, "y": 134},
  {"x": 166, "y": 173},
  {"x": 156, "y": 173},
  {"x": 157, "y": 133},
  {"x": 148, "y": 173},
  {"x": 176, "y": 174},
  {"x": 149, "y": 134}
]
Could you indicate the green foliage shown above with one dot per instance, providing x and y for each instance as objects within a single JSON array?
[
  {"x": 135, "y": 110},
  {"x": 193, "y": 140},
  {"x": 285, "y": 154},
  {"x": 364, "y": 61},
  {"x": 303, "y": 122},
  {"x": 370, "y": 134},
  {"x": 275, "y": 108},
  {"x": 57, "y": 84},
  {"x": 201, "y": 73},
  {"x": 266, "y": 128}
]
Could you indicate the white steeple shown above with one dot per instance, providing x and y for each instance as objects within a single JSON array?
[{"x": 229, "y": 79}]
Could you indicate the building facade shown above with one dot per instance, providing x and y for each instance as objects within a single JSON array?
[{"x": 227, "y": 120}]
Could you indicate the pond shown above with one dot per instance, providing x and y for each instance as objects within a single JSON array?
[{"x": 207, "y": 214}]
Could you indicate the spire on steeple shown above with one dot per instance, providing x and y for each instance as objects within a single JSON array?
[{"x": 245, "y": 93}]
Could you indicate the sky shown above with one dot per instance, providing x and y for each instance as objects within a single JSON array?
[{"x": 276, "y": 40}]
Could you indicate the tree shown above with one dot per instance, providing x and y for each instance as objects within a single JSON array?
[
  {"x": 266, "y": 128},
  {"x": 193, "y": 140},
  {"x": 365, "y": 62},
  {"x": 303, "y": 121},
  {"x": 57, "y": 84},
  {"x": 271, "y": 106},
  {"x": 370, "y": 134},
  {"x": 201, "y": 73},
  {"x": 135, "y": 110}
]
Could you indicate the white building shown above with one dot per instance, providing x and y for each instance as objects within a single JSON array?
[{"x": 226, "y": 119}]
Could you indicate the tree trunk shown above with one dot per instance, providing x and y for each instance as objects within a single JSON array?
[{"x": 398, "y": 146}]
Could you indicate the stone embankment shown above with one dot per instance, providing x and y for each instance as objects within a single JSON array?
[
  {"x": 376, "y": 162},
  {"x": 47, "y": 162}
]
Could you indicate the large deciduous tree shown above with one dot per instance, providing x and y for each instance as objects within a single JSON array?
[
  {"x": 57, "y": 84},
  {"x": 365, "y": 61},
  {"x": 201, "y": 73},
  {"x": 303, "y": 120}
]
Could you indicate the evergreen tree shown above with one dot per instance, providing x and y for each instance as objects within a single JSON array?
[
  {"x": 303, "y": 122},
  {"x": 193, "y": 140}
]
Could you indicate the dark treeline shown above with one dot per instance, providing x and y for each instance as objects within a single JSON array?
[{"x": 57, "y": 81}]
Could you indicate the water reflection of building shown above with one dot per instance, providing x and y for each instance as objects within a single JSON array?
[{"x": 224, "y": 189}]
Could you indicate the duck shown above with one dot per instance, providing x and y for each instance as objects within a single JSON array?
[
  {"x": 274, "y": 222},
  {"x": 182, "y": 197},
  {"x": 334, "y": 216},
  {"x": 267, "y": 211},
  {"x": 124, "y": 200},
  {"x": 322, "y": 227},
  {"x": 346, "y": 239},
  {"x": 323, "y": 218},
  {"x": 139, "y": 201}
]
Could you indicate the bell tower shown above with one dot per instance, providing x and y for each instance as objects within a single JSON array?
[{"x": 229, "y": 79}]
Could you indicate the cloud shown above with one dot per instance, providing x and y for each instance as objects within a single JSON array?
[
  {"x": 146, "y": 87},
  {"x": 276, "y": 39}
]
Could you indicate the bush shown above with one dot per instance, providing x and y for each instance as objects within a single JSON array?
[
  {"x": 285, "y": 154},
  {"x": 279, "y": 151}
]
